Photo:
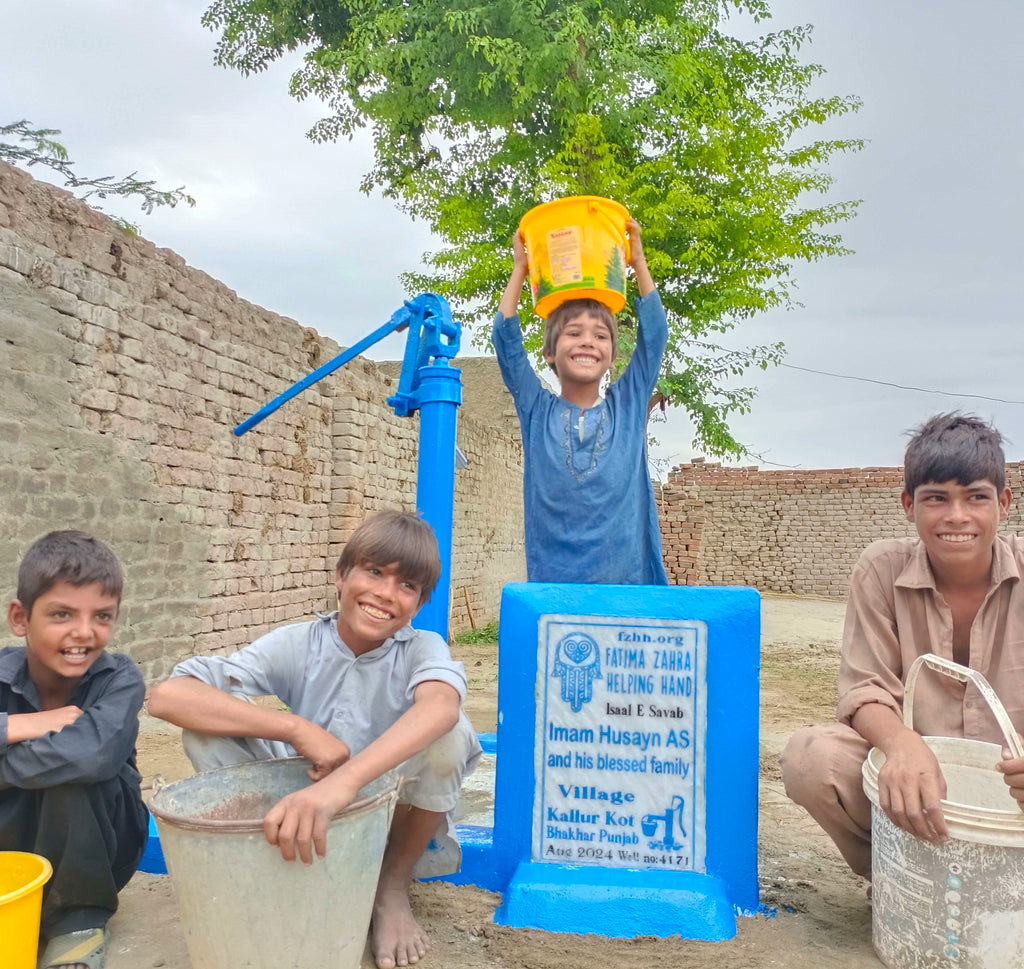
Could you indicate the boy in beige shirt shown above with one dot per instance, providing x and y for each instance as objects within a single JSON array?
[{"x": 955, "y": 591}]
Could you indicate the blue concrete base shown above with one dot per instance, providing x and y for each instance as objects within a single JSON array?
[
  {"x": 478, "y": 868},
  {"x": 617, "y": 902}
]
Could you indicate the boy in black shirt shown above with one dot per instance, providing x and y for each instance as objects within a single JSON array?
[{"x": 69, "y": 788}]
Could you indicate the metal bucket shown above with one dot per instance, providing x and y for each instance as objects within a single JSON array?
[
  {"x": 961, "y": 903},
  {"x": 241, "y": 903}
]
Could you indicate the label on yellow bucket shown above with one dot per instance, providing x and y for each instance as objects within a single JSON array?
[{"x": 565, "y": 255}]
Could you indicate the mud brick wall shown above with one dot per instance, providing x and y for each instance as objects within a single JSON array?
[
  {"x": 375, "y": 457},
  {"x": 125, "y": 370},
  {"x": 681, "y": 514},
  {"x": 794, "y": 532}
]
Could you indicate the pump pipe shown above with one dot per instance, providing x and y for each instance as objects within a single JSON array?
[
  {"x": 427, "y": 383},
  {"x": 398, "y": 321}
]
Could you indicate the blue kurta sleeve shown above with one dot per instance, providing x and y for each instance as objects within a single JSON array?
[
  {"x": 521, "y": 379},
  {"x": 94, "y": 748},
  {"x": 641, "y": 374}
]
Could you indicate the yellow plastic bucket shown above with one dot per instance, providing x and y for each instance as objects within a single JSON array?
[
  {"x": 22, "y": 876},
  {"x": 576, "y": 248}
]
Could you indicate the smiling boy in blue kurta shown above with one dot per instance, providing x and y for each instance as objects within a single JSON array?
[{"x": 588, "y": 500}]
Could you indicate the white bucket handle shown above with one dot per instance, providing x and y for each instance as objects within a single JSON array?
[{"x": 964, "y": 674}]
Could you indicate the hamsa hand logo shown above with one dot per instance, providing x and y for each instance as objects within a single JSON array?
[{"x": 578, "y": 663}]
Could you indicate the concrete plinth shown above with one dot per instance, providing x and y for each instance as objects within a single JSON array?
[{"x": 617, "y": 902}]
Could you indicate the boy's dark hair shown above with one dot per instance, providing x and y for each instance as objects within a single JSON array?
[
  {"x": 565, "y": 313},
  {"x": 67, "y": 556},
  {"x": 391, "y": 537},
  {"x": 954, "y": 446}
]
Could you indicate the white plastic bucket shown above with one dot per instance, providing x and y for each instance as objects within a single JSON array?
[
  {"x": 961, "y": 903},
  {"x": 241, "y": 903}
]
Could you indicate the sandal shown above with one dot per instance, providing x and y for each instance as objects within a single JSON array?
[{"x": 86, "y": 947}]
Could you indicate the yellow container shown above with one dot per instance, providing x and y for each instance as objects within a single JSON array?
[
  {"x": 576, "y": 248},
  {"x": 22, "y": 876}
]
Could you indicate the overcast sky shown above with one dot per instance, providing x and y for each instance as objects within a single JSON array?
[{"x": 929, "y": 300}]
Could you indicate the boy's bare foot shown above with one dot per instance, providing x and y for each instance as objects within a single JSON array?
[{"x": 397, "y": 937}]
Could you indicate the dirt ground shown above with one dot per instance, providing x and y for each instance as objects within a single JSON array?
[{"x": 821, "y": 918}]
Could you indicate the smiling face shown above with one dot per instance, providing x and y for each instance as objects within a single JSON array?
[
  {"x": 374, "y": 602},
  {"x": 66, "y": 632},
  {"x": 584, "y": 351},
  {"x": 958, "y": 523}
]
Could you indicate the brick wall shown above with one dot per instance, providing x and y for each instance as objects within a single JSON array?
[
  {"x": 125, "y": 370},
  {"x": 795, "y": 532},
  {"x": 488, "y": 511}
]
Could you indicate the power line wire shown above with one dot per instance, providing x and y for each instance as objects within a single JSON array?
[
  {"x": 871, "y": 380},
  {"x": 887, "y": 383}
]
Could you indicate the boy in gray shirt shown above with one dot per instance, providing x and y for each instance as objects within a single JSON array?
[{"x": 365, "y": 693}]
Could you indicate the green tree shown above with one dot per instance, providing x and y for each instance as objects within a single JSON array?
[
  {"x": 23, "y": 145},
  {"x": 479, "y": 111}
]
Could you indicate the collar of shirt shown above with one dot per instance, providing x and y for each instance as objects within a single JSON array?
[
  {"x": 14, "y": 672},
  {"x": 917, "y": 573},
  {"x": 403, "y": 635}
]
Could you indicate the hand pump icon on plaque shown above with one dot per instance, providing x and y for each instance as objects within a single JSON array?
[{"x": 674, "y": 815}]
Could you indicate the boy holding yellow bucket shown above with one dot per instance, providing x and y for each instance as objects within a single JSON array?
[
  {"x": 589, "y": 504},
  {"x": 69, "y": 716}
]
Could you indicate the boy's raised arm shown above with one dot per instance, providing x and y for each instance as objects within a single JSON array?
[
  {"x": 638, "y": 261},
  {"x": 297, "y": 824},
  {"x": 516, "y": 371},
  {"x": 509, "y": 305},
  {"x": 190, "y": 703}
]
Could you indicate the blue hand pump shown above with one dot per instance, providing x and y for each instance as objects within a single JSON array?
[{"x": 427, "y": 383}]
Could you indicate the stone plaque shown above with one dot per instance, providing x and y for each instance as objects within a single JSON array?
[{"x": 619, "y": 745}]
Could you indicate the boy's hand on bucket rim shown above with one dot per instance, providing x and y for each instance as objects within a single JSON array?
[
  {"x": 519, "y": 260},
  {"x": 636, "y": 246},
  {"x": 1013, "y": 773},
  {"x": 298, "y": 823},
  {"x": 911, "y": 788},
  {"x": 322, "y": 749}
]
